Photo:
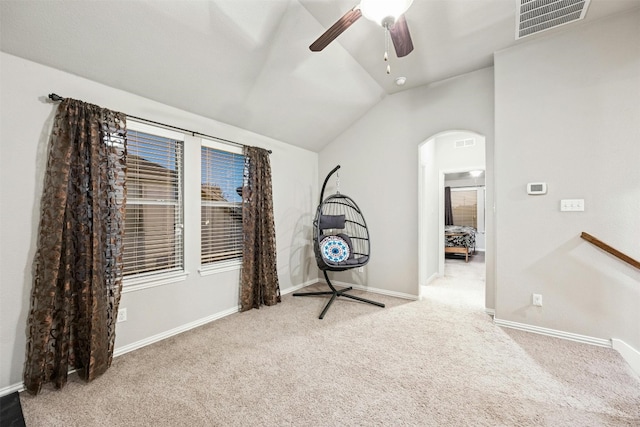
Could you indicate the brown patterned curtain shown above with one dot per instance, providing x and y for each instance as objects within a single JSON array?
[
  {"x": 78, "y": 263},
  {"x": 259, "y": 273}
]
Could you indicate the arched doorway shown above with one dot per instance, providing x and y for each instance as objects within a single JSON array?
[{"x": 449, "y": 157}]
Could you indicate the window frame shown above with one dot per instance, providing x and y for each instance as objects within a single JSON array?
[
  {"x": 222, "y": 265},
  {"x": 149, "y": 279}
]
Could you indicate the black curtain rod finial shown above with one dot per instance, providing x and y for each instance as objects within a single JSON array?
[{"x": 55, "y": 98}]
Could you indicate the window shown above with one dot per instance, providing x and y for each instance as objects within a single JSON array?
[
  {"x": 465, "y": 207},
  {"x": 221, "y": 203},
  {"x": 153, "y": 241}
]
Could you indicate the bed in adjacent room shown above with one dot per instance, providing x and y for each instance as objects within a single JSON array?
[{"x": 460, "y": 239}]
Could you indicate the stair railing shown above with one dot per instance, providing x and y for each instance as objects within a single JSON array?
[{"x": 599, "y": 243}]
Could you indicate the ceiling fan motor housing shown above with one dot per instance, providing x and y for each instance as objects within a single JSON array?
[
  {"x": 388, "y": 21},
  {"x": 384, "y": 12}
]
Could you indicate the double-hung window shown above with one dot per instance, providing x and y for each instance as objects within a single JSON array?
[
  {"x": 222, "y": 170},
  {"x": 464, "y": 203},
  {"x": 153, "y": 241}
]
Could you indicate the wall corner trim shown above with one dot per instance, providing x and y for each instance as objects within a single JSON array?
[{"x": 628, "y": 353}]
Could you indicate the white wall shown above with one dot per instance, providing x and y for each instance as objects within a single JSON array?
[
  {"x": 568, "y": 113},
  {"x": 380, "y": 169},
  {"x": 26, "y": 119},
  {"x": 452, "y": 159},
  {"x": 429, "y": 214}
]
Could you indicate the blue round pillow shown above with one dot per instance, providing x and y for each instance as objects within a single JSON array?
[{"x": 334, "y": 249}]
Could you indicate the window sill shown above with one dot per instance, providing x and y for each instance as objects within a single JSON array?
[
  {"x": 220, "y": 267},
  {"x": 138, "y": 283}
]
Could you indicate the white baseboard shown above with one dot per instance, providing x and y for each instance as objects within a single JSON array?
[
  {"x": 553, "y": 333},
  {"x": 11, "y": 389},
  {"x": 377, "y": 290},
  {"x": 175, "y": 331},
  {"x": 145, "y": 342},
  {"x": 490, "y": 312},
  {"x": 433, "y": 277},
  {"x": 628, "y": 353},
  {"x": 298, "y": 287},
  {"x": 171, "y": 332},
  {"x": 159, "y": 337},
  {"x": 180, "y": 329},
  {"x": 359, "y": 287}
]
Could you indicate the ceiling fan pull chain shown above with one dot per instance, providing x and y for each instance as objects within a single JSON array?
[
  {"x": 337, "y": 182},
  {"x": 386, "y": 47}
]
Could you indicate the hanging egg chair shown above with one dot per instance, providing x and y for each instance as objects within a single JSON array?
[{"x": 340, "y": 241}]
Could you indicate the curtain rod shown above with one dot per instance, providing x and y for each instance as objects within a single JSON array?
[
  {"x": 466, "y": 186},
  {"x": 57, "y": 98}
]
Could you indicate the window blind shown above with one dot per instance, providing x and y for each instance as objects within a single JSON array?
[
  {"x": 221, "y": 205},
  {"x": 465, "y": 207},
  {"x": 153, "y": 239}
]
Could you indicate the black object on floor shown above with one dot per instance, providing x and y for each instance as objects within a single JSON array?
[{"x": 11, "y": 411}]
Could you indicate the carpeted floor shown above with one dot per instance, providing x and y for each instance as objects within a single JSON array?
[{"x": 436, "y": 362}]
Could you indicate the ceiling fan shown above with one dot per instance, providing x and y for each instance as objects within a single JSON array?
[{"x": 389, "y": 14}]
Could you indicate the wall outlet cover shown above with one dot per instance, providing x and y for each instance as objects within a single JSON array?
[{"x": 537, "y": 300}]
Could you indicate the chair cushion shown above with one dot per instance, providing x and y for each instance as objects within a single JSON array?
[
  {"x": 335, "y": 249},
  {"x": 331, "y": 221}
]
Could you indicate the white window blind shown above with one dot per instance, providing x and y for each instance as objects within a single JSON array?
[
  {"x": 153, "y": 241},
  {"x": 465, "y": 207},
  {"x": 221, "y": 204}
]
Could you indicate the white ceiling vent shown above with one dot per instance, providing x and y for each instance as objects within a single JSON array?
[
  {"x": 469, "y": 142},
  {"x": 534, "y": 16}
]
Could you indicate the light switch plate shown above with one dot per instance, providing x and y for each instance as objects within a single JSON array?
[{"x": 571, "y": 205}]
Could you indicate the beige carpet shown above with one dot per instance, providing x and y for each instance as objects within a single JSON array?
[{"x": 436, "y": 362}]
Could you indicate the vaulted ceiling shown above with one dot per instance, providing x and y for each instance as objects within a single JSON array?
[{"x": 247, "y": 62}]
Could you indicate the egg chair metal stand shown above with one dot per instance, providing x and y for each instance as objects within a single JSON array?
[{"x": 340, "y": 242}]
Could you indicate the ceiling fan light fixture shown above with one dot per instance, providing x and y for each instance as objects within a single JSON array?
[{"x": 383, "y": 11}]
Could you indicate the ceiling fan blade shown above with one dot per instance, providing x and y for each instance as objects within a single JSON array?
[
  {"x": 401, "y": 37},
  {"x": 336, "y": 29}
]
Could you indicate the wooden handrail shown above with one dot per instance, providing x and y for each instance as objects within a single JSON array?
[{"x": 599, "y": 243}]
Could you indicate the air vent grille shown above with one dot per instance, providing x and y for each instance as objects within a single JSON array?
[
  {"x": 462, "y": 143},
  {"x": 535, "y": 16}
]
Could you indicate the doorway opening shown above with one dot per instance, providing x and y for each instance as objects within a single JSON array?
[{"x": 455, "y": 161}]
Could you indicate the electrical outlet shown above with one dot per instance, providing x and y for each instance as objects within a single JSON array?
[
  {"x": 537, "y": 300},
  {"x": 122, "y": 315},
  {"x": 360, "y": 269}
]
